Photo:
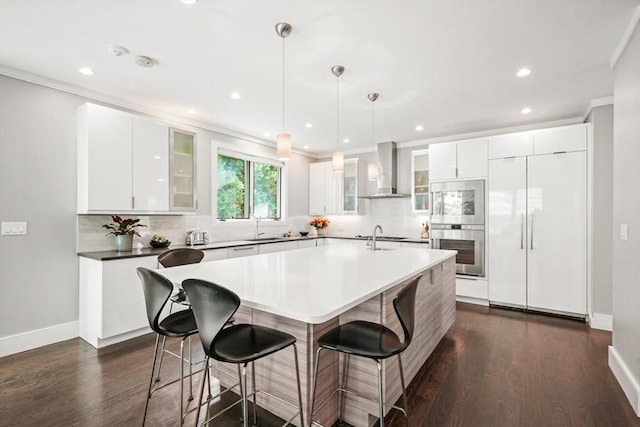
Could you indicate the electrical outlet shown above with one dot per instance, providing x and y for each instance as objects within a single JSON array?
[{"x": 14, "y": 228}]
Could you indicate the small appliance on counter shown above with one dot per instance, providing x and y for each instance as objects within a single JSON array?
[{"x": 197, "y": 237}]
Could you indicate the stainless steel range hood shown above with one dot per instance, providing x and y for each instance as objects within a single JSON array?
[{"x": 387, "y": 179}]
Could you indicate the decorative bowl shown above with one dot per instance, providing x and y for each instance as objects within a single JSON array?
[
  {"x": 164, "y": 244},
  {"x": 304, "y": 233}
]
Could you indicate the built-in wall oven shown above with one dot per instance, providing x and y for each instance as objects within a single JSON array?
[{"x": 457, "y": 223}]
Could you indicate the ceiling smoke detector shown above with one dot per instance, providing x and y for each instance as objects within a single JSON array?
[
  {"x": 144, "y": 61},
  {"x": 116, "y": 50}
]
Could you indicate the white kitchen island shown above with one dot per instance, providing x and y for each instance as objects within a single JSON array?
[{"x": 309, "y": 291}]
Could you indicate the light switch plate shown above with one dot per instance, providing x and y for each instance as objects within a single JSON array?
[
  {"x": 624, "y": 231},
  {"x": 14, "y": 228}
]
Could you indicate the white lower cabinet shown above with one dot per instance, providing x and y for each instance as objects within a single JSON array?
[
  {"x": 472, "y": 288},
  {"x": 214, "y": 254},
  {"x": 537, "y": 232},
  {"x": 268, "y": 248},
  {"x": 239, "y": 251},
  {"x": 112, "y": 306},
  {"x": 311, "y": 243}
]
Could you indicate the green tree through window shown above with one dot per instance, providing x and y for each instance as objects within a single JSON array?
[{"x": 247, "y": 188}]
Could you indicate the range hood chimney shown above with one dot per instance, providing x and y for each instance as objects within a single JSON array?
[{"x": 387, "y": 177}]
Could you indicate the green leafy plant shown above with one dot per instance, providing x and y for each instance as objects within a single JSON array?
[{"x": 121, "y": 226}]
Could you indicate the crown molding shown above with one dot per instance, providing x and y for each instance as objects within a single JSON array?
[
  {"x": 597, "y": 102},
  {"x": 625, "y": 37}
]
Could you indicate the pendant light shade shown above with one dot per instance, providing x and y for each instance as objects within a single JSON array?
[
  {"x": 283, "y": 141},
  {"x": 372, "y": 167},
  {"x": 338, "y": 156}
]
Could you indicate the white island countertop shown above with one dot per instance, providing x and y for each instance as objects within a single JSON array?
[{"x": 312, "y": 285}]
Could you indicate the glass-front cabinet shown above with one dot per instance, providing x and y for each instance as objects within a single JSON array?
[
  {"x": 350, "y": 187},
  {"x": 183, "y": 187},
  {"x": 420, "y": 180}
]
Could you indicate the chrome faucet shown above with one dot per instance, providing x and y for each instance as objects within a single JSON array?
[
  {"x": 258, "y": 233},
  {"x": 373, "y": 238}
]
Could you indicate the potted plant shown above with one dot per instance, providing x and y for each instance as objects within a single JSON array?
[{"x": 123, "y": 229}]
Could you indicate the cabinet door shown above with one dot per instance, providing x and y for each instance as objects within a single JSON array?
[
  {"x": 316, "y": 189},
  {"x": 311, "y": 243},
  {"x": 510, "y": 145},
  {"x": 442, "y": 161},
  {"x": 241, "y": 251},
  {"x": 557, "y": 205},
  {"x": 350, "y": 187},
  {"x": 565, "y": 138},
  {"x": 104, "y": 160},
  {"x": 150, "y": 165},
  {"x": 267, "y": 248},
  {"x": 472, "y": 158},
  {"x": 333, "y": 191},
  {"x": 183, "y": 170},
  {"x": 420, "y": 181},
  {"x": 214, "y": 254},
  {"x": 507, "y": 266}
]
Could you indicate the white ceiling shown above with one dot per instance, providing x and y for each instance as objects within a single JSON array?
[{"x": 447, "y": 65}]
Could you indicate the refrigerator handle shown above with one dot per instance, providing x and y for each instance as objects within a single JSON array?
[
  {"x": 531, "y": 230},
  {"x": 522, "y": 230}
]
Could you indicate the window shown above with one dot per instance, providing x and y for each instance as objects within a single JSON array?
[{"x": 248, "y": 186}]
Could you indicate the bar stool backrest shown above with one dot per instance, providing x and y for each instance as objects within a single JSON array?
[
  {"x": 405, "y": 305},
  {"x": 180, "y": 256},
  {"x": 212, "y": 305},
  {"x": 157, "y": 290}
]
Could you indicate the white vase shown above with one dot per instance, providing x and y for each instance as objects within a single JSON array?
[{"x": 124, "y": 242}]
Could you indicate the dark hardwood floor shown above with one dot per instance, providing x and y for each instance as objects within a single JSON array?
[{"x": 495, "y": 367}]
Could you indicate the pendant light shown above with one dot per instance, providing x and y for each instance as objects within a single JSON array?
[
  {"x": 372, "y": 168},
  {"x": 338, "y": 156},
  {"x": 283, "y": 140}
]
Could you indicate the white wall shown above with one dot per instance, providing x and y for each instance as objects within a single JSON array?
[
  {"x": 39, "y": 271},
  {"x": 624, "y": 356}
]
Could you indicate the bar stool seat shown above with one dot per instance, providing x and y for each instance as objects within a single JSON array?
[
  {"x": 178, "y": 324},
  {"x": 372, "y": 341},
  {"x": 246, "y": 343}
]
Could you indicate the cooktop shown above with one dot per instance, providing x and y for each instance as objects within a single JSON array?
[{"x": 359, "y": 236}]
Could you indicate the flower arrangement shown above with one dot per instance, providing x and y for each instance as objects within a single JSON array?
[
  {"x": 123, "y": 226},
  {"x": 319, "y": 222}
]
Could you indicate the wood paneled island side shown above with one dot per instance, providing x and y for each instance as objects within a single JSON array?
[{"x": 309, "y": 291}]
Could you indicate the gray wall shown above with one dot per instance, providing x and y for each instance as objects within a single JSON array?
[
  {"x": 602, "y": 120},
  {"x": 626, "y": 205},
  {"x": 39, "y": 271}
]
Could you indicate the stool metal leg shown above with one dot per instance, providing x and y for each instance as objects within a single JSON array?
[
  {"x": 295, "y": 354},
  {"x": 181, "y": 381},
  {"x": 245, "y": 407},
  {"x": 255, "y": 395},
  {"x": 379, "y": 365},
  {"x": 153, "y": 369},
  {"x": 164, "y": 341},
  {"x": 315, "y": 384},
  {"x": 205, "y": 376},
  {"x": 190, "y": 373},
  {"x": 343, "y": 386},
  {"x": 404, "y": 390}
]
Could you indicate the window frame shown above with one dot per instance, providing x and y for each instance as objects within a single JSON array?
[{"x": 250, "y": 161}]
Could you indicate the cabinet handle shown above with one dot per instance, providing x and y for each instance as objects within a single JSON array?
[
  {"x": 244, "y": 249},
  {"x": 522, "y": 231},
  {"x": 133, "y": 202},
  {"x": 531, "y": 230}
]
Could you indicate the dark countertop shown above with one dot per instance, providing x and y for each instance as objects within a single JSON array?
[{"x": 149, "y": 251}]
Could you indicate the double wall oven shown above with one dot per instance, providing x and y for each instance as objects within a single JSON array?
[{"x": 457, "y": 223}]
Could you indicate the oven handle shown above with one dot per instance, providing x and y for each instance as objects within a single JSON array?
[
  {"x": 531, "y": 230},
  {"x": 522, "y": 231}
]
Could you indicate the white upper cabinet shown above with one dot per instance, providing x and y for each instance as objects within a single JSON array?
[
  {"x": 565, "y": 138},
  {"x": 350, "y": 187},
  {"x": 104, "y": 159},
  {"x": 325, "y": 189},
  {"x": 420, "y": 181},
  {"x": 458, "y": 160},
  {"x": 511, "y": 145},
  {"x": 124, "y": 164},
  {"x": 183, "y": 172},
  {"x": 150, "y": 165},
  {"x": 442, "y": 161}
]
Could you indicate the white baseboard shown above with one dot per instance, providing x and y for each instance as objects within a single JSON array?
[
  {"x": 601, "y": 321},
  {"x": 625, "y": 378},
  {"x": 33, "y": 339},
  {"x": 470, "y": 300}
]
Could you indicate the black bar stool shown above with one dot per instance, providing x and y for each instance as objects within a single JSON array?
[
  {"x": 182, "y": 324},
  {"x": 240, "y": 344},
  {"x": 372, "y": 341}
]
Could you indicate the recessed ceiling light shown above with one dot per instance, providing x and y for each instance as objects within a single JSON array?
[
  {"x": 419, "y": 128},
  {"x": 526, "y": 110},
  {"x": 346, "y": 140},
  {"x": 156, "y": 157},
  {"x": 192, "y": 111},
  {"x": 116, "y": 50},
  {"x": 266, "y": 134},
  {"x": 235, "y": 95},
  {"x": 523, "y": 72},
  {"x": 189, "y": 1},
  {"x": 306, "y": 147},
  {"x": 144, "y": 61},
  {"x": 308, "y": 125},
  {"x": 86, "y": 71}
]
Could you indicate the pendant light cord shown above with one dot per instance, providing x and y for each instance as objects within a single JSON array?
[
  {"x": 283, "y": 71},
  {"x": 338, "y": 112}
]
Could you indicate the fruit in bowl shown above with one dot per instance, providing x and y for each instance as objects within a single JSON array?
[{"x": 159, "y": 241}]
